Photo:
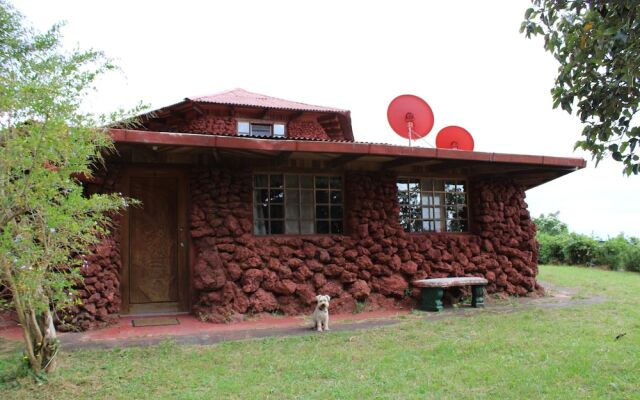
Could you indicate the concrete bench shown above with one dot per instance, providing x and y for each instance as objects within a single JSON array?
[{"x": 433, "y": 289}]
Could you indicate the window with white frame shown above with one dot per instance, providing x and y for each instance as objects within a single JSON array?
[
  {"x": 261, "y": 129},
  {"x": 297, "y": 204},
  {"x": 433, "y": 204}
]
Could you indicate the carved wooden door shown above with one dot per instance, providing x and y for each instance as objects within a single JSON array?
[{"x": 154, "y": 282}]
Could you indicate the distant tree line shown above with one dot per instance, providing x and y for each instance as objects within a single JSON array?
[{"x": 559, "y": 246}]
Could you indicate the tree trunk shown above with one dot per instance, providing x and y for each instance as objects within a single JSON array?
[{"x": 40, "y": 337}]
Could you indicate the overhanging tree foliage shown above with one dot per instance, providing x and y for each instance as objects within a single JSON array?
[
  {"x": 597, "y": 44},
  {"x": 46, "y": 222}
]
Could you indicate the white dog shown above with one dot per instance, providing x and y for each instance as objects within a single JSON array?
[{"x": 321, "y": 314}]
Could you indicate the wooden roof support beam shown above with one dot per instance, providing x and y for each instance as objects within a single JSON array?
[
  {"x": 264, "y": 113},
  {"x": 342, "y": 160},
  {"x": 282, "y": 159},
  {"x": 441, "y": 167},
  {"x": 295, "y": 115},
  {"x": 400, "y": 162},
  {"x": 328, "y": 118},
  {"x": 197, "y": 108}
]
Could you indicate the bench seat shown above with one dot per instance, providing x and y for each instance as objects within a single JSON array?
[{"x": 433, "y": 289}]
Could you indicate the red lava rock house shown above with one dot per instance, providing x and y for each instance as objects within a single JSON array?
[{"x": 256, "y": 204}]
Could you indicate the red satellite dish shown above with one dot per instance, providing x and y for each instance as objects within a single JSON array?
[
  {"x": 410, "y": 117},
  {"x": 454, "y": 137}
]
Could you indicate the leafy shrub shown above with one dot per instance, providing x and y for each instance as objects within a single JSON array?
[
  {"x": 580, "y": 249},
  {"x": 612, "y": 253},
  {"x": 551, "y": 249},
  {"x": 559, "y": 246}
]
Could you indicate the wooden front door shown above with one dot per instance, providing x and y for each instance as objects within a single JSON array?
[{"x": 155, "y": 275}]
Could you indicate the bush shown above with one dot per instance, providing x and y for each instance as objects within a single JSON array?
[
  {"x": 612, "y": 253},
  {"x": 559, "y": 246},
  {"x": 580, "y": 249},
  {"x": 551, "y": 248}
]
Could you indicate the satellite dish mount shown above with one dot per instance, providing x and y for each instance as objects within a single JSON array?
[{"x": 410, "y": 117}]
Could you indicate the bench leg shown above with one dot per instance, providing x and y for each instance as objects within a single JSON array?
[
  {"x": 431, "y": 299},
  {"x": 477, "y": 298}
]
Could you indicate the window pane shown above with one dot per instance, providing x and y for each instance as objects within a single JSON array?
[
  {"x": 336, "y": 182},
  {"x": 260, "y": 227},
  {"x": 428, "y": 226},
  {"x": 261, "y": 130},
  {"x": 416, "y": 226},
  {"x": 292, "y": 227},
  {"x": 427, "y": 213},
  {"x": 291, "y": 181},
  {"x": 278, "y": 130},
  {"x": 276, "y": 196},
  {"x": 336, "y": 197},
  {"x": 276, "y": 211},
  {"x": 260, "y": 211},
  {"x": 261, "y": 195},
  {"x": 403, "y": 198},
  {"x": 322, "y": 182},
  {"x": 261, "y": 181},
  {"x": 244, "y": 128},
  {"x": 322, "y": 196},
  {"x": 438, "y": 199},
  {"x": 322, "y": 227},
  {"x": 449, "y": 186},
  {"x": 414, "y": 197},
  {"x": 306, "y": 211},
  {"x": 452, "y": 212},
  {"x": 336, "y": 212},
  {"x": 322, "y": 212},
  {"x": 438, "y": 226},
  {"x": 292, "y": 197},
  {"x": 306, "y": 181},
  {"x": 453, "y": 226},
  {"x": 276, "y": 181},
  {"x": 402, "y": 186},
  {"x": 462, "y": 212},
  {"x": 306, "y": 197},
  {"x": 438, "y": 212},
  {"x": 277, "y": 227},
  {"x": 336, "y": 227},
  {"x": 293, "y": 211},
  {"x": 306, "y": 227}
]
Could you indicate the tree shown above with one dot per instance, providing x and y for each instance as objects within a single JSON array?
[
  {"x": 551, "y": 224},
  {"x": 597, "y": 44},
  {"x": 46, "y": 222}
]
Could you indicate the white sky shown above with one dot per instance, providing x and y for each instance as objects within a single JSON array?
[{"x": 465, "y": 58}]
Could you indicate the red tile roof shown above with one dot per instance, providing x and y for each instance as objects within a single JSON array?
[{"x": 242, "y": 97}]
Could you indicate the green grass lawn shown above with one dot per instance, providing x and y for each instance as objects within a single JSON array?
[{"x": 562, "y": 353}]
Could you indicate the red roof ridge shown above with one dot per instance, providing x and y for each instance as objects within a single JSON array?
[{"x": 239, "y": 96}]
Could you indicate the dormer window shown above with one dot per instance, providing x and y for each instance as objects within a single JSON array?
[{"x": 261, "y": 129}]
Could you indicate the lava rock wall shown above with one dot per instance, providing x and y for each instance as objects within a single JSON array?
[
  {"x": 99, "y": 292},
  {"x": 309, "y": 129},
  {"x": 237, "y": 273},
  {"x": 211, "y": 124}
]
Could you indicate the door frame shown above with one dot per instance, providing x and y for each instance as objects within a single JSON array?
[{"x": 182, "y": 239}]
